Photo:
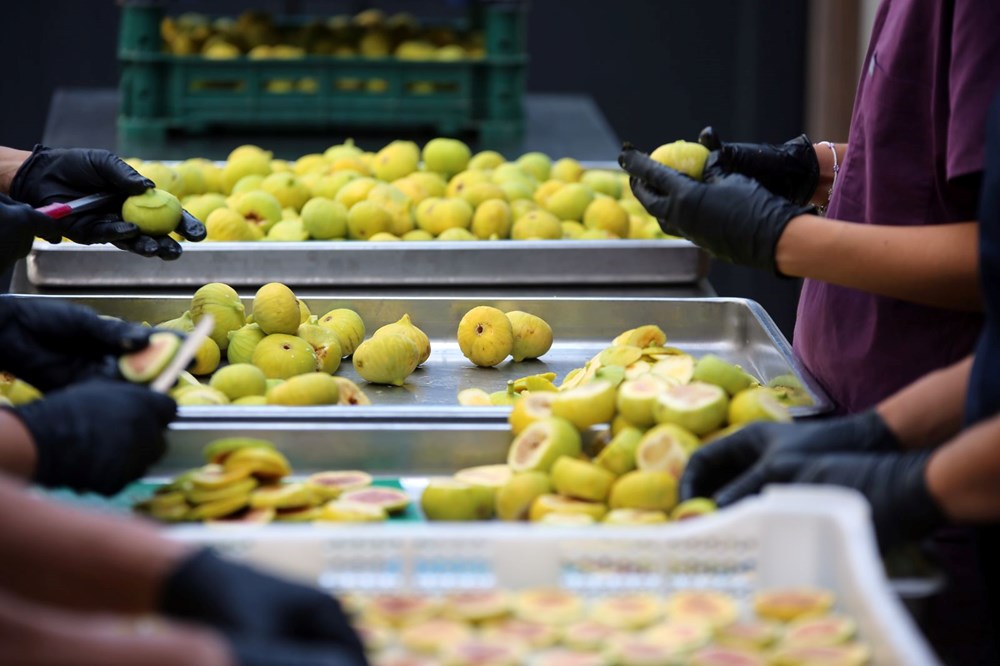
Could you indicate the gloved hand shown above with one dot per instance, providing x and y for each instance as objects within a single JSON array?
[
  {"x": 96, "y": 436},
  {"x": 789, "y": 170},
  {"x": 52, "y": 344},
  {"x": 269, "y": 652},
  {"x": 241, "y": 601},
  {"x": 53, "y": 175},
  {"x": 741, "y": 464},
  {"x": 893, "y": 483},
  {"x": 18, "y": 224},
  {"x": 732, "y": 216}
]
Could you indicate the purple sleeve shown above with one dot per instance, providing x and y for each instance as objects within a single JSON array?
[{"x": 974, "y": 77}]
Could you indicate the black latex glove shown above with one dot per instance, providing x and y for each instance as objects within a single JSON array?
[
  {"x": 239, "y": 600},
  {"x": 270, "y": 652},
  {"x": 893, "y": 483},
  {"x": 18, "y": 222},
  {"x": 741, "y": 464},
  {"x": 732, "y": 216},
  {"x": 789, "y": 170},
  {"x": 53, "y": 175},
  {"x": 51, "y": 344},
  {"x": 97, "y": 436}
]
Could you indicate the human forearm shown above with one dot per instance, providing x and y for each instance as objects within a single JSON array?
[
  {"x": 17, "y": 448},
  {"x": 10, "y": 161},
  {"x": 928, "y": 411},
  {"x": 826, "y": 176},
  {"x": 117, "y": 564},
  {"x": 35, "y": 634},
  {"x": 931, "y": 264},
  {"x": 962, "y": 475}
]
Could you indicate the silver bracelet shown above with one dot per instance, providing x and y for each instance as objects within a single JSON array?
[{"x": 836, "y": 170}]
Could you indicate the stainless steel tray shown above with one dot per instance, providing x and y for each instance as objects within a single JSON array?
[
  {"x": 354, "y": 263},
  {"x": 401, "y": 449},
  {"x": 736, "y": 329}
]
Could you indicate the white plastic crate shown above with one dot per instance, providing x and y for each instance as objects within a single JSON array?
[{"x": 789, "y": 536}]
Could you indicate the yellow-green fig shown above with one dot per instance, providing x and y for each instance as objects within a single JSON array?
[
  {"x": 282, "y": 356},
  {"x": 698, "y": 407},
  {"x": 637, "y": 397},
  {"x": 618, "y": 457},
  {"x": 757, "y": 404},
  {"x": 313, "y": 388},
  {"x": 542, "y": 443},
  {"x": 584, "y": 480},
  {"x": 276, "y": 310},
  {"x": 586, "y": 405},
  {"x": 351, "y": 393},
  {"x": 514, "y": 498},
  {"x": 242, "y": 342},
  {"x": 567, "y": 170},
  {"x": 492, "y": 219},
  {"x": 146, "y": 364},
  {"x": 223, "y": 303},
  {"x": 204, "y": 395},
  {"x": 406, "y": 328},
  {"x": 324, "y": 218},
  {"x": 485, "y": 336},
  {"x": 239, "y": 380},
  {"x": 713, "y": 370},
  {"x": 325, "y": 343},
  {"x": 537, "y": 225},
  {"x": 453, "y": 500},
  {"x": 348, "y": 326},
  {"x": 223, "y": 224},
  {"x": 688, "y": 157},
  {"x": 365, "y": 219},
  {"x": 183, "y": 324},
  {"x": 398, "y": 159},
  {"x": 206, "y": 358},
  {"x": 539, "y": 165},
  {"x": 446, "y": 156},
  {"x": 644, "y": 489},
  {"x": 386, "y": 359},
  {"x": 259, "y": 208},
  {"x": 532, "y": 335},
  {"x": 570, "y": 201},
  {"x": 287, "y": 189},
  {"x": 155, "y": 212},
  {"x": 666, "y": 448}
]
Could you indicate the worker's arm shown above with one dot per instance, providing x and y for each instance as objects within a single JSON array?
[
  {"x": 931, "y": 264},
  {"x": 11, "y": 160},
  {"x": 81, "y": 560},
  {"x": 31, "y": 633},
  {"x": 739, "y": 220},
  {"x": 964, "y": 475},
  {"x": 18, "y": 457},
  {"x": 929, "y": 411}
]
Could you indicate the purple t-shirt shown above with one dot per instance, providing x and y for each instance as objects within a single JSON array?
[{"x": 917, "y": 126}]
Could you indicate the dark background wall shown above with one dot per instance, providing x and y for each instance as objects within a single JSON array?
[{"x": 658, "y": 69}]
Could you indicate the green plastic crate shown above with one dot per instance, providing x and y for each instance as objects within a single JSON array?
[{"x": 161, "y": 92}]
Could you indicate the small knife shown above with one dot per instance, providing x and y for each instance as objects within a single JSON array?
[
  {"x": 63, "y": 208},
  {"x": 184, "y": 355}
]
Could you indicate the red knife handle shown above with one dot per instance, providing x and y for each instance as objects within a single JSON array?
[{"x": 56, "y": 210}]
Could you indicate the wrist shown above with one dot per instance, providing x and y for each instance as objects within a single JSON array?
[
  {"x": 18, "y": 456},
  {"x": 829, "y": 157},
  {"x": 877, "y": 436},
  {"x": 11, "y": 161},
  {"x": 795, "y": 245}
]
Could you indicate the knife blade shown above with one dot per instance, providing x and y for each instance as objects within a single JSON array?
[
  {"x": 63, "y": 208},
  {"x": 184, "y": 354}
]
